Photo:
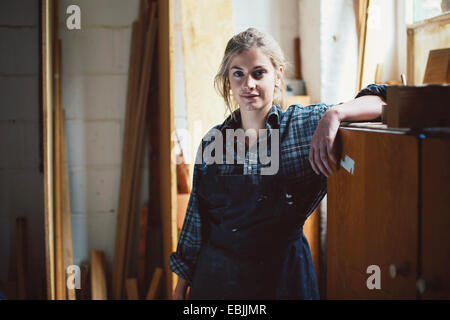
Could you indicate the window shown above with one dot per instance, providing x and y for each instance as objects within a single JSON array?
[{"x": 425, "y": 9}]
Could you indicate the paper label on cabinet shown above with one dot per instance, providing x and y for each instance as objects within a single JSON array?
[{"x": 348, "y": 164}]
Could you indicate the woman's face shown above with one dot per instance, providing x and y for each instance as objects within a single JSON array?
[{"x": 253, "y": 79}]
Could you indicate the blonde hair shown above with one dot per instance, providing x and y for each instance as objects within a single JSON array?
[{"x": 242, "y": 42}]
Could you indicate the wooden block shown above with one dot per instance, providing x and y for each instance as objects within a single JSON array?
[
  {"x": 98, "y": 275},
  {"x": 418, "y": 106},
  {"x": 155, "y": 284},
  {"x": 438, "y": 67},
  {"x": 132, "y": 289}
]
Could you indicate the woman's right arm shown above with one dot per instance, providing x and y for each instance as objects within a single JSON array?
[
  {"x": 184, "y": 260},
  {"x": 180, "y": 289}
]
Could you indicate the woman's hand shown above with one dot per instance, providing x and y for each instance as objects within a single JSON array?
[
  {"x": 180, "y": 290},
  {"x": 322, "y": 142}
]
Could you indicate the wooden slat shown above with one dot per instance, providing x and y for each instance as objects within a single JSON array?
[
  {"x": 132, "y": 289},
  {"x": 60, "y": 271},
  {"x": 167, "y": 181},
  {"x": 142, "y": 249},
  {"x": 98, "y": 276},
  {"x": 67, "y": 223},
  {"x": 363, "y": 11},
  {"x": 298, "y": 59},
  {"x": 155, "y": 284},
  {"x": 47, "y": 118}
]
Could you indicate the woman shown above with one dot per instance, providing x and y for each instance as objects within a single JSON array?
[{"x": 242, "y": 237}]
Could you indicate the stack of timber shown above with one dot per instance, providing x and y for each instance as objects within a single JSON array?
[{"x": 139, "y": 79}]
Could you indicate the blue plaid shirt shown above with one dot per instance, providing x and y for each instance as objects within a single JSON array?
[{"x": 296, "y": 127}]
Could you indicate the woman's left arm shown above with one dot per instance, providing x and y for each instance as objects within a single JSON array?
[{"x": 366, "y": 107}]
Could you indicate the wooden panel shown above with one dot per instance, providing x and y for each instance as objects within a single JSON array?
[
  {"x": 438, "y": 67},
  {"x": 436, "y": 218},
  {"x": 372, "y": 215}
]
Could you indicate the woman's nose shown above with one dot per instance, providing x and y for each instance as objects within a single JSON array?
[{"x": 249, "y": 82}]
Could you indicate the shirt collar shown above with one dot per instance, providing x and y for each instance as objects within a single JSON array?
[{"x": 272, "y": 119}]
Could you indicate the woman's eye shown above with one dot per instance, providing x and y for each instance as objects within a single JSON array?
[
  {"x": 258, "y": 73},
  {"x": 237, "y": 74}
]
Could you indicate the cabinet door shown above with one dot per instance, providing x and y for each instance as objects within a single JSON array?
[
  {"x": 373, "y": 215},
  {"x": 435, "y": 260}
]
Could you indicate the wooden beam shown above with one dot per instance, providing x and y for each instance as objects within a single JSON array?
[
  {"x": 47, "y": 118},
  {"x": 142, "y": 248},
  {"x": 98, "y": 276},
  {"x": 66, "y": 209},
  {"x": 155, "y": 284},
  {"x": 132, "y": 289},
  {"x": 363, "y": 11},
  {"x": 168, "y": 191}
]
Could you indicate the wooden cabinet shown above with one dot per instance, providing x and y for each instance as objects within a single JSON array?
[{"x": 388, "y": 206}]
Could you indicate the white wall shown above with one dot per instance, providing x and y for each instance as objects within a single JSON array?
[
  {"x": 95, "y": 75},
  {"x": 310, "y": 33},
  {"x": 339, "y": 51},
  {"x": 279, "y": 18},
  {"x": 21, "y": 182}
]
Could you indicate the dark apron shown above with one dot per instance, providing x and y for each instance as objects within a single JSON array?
[{"x": 254, "y": 246}]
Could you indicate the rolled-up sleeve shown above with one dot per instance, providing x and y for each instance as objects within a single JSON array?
[
  {"x": 183, "y": 261},
  {"x": 375, "y": 90}
]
